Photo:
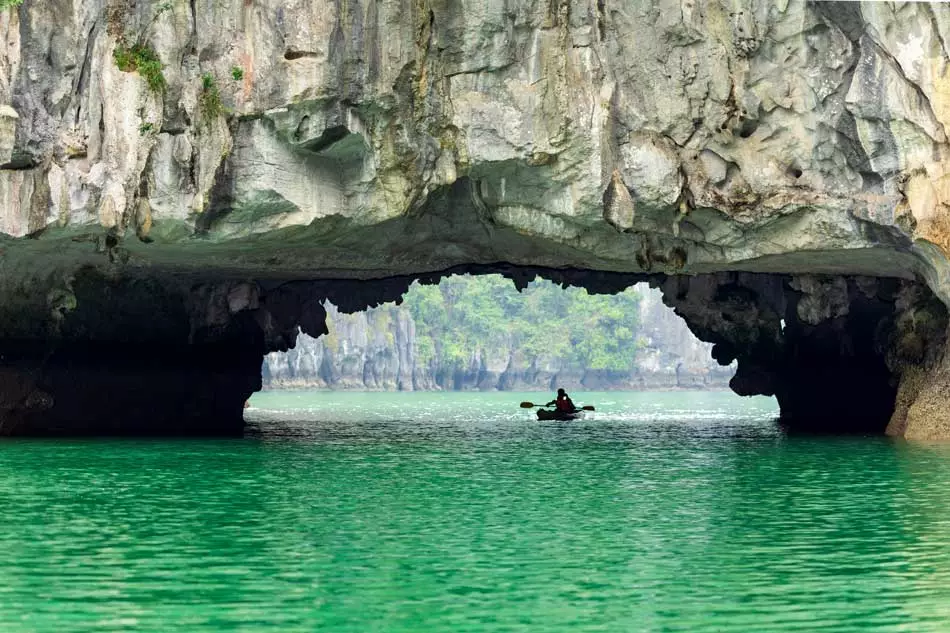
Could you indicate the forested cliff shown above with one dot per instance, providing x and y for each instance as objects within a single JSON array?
[{"x": 480, "y": 333}]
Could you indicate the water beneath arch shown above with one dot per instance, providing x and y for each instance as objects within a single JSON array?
[{"x": 459, "y": 512}]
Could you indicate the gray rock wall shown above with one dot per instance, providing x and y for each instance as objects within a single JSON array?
[{"x": 301, "y": 138}]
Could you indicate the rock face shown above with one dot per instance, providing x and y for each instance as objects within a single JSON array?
[
  {"x": 376, "y": 350},
  {"x": 183, "y": 374},
  {"x": 373, "y": 350},
  {"x": 191, "y": 144},
  {"x": 833, "y": 351}
]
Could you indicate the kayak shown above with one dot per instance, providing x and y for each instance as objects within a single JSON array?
[{"x": 551, "y": 414}]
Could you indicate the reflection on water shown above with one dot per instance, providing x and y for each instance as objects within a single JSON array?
[{"x": 459, "y": 512}]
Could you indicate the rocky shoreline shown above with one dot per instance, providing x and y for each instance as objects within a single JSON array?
[
  {"x": 718, "y": 382},
  {"x": 722, "y": 386}
]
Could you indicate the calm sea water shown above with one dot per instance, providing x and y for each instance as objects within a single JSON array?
[{"x": 459, "y": 512}]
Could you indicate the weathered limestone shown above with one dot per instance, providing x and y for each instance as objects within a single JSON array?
[
  {"x": 134, "y": 356},
  {"x": 840, "y": 354},
  {"x": 834, "y": 351},
  {"x": 8, "y": 117},
  {"x": 626, "y": 136},
  {"x": 295, "y": 141}
]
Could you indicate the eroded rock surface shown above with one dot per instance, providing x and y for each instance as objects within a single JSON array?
[
  {"x": 609, "y": 135},
  {"x": 834, "y": 351},
  {"x": 289, "y": 140}
]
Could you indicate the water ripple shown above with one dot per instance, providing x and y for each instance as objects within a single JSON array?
[{"x": 663, "y": 512}]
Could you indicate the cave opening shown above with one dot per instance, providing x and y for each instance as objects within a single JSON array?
[
  {"x": 180, "y": 355},
  {"x": 480, "y": 333}
]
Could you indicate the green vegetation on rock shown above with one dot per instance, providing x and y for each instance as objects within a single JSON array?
[
  {"x": 237, "y": 73},
  {"x": 9, "y": 4},
  {"x": 209, "y": 102},
  {"x": 143, "y": 59},
  {"x": 464, "y": 314}
]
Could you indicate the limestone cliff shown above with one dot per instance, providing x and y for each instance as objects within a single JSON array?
[
  {"x": 617, "y": 135},
  {"x": 373, "y": 350},
  {"x": 215, "y": 151},
  {"x": 376, "y": 350}
]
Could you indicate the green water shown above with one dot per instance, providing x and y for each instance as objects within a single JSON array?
[{"x": 457, "y": 512}]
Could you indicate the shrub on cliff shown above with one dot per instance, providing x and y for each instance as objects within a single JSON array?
[
  {"x": 209, "y": 101},
  {"x": 137, "y": 56},
  {"x": 142, "y": 59}
]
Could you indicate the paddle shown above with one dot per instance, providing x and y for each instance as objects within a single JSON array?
[{"x": 531, "y": 405}]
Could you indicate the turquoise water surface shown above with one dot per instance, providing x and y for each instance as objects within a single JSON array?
[{"x": 459, "y": 512}]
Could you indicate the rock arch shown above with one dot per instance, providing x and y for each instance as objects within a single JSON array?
[
  {"x": 132, "y": 354},
  {"x": 780, "y": 171}
]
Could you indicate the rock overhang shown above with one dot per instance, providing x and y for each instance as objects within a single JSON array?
[
  {"x": 368, "y": 140},
  {"x": 842, "y": 353}
]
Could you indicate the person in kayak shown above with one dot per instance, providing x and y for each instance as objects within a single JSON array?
[{"x": 563, "y": 403}]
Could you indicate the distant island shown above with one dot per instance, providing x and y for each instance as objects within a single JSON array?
[{"x": 479, "y": 333}]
